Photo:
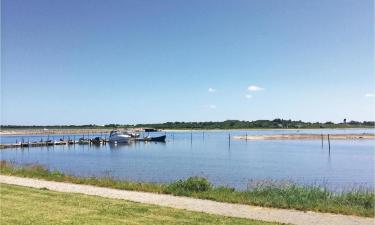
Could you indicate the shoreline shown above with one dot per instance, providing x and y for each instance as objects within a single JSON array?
[
  {"x": 15, "y": 132},
  {"x": 319, "y": 199},
  {"x": 305, "y": 137},
  {"x": 279, "y": 215}
]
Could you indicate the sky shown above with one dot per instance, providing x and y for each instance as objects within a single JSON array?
[{"x": 149, "y": 61}]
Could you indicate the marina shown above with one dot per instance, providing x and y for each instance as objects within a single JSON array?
[
  {"x": 115, "y": 137},
  {"x": 339, "y": 164}
]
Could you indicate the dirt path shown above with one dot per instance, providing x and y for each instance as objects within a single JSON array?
[{"x": 207, "y": 206}]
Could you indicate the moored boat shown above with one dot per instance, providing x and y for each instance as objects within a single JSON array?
[
  {"x": 132, "y": 134},
  {"x": 83, "y": 141},
  {"x": 118, "y": 137},
  {"x": 97, "y": 141},
  {"x": 157, "y": 139}
]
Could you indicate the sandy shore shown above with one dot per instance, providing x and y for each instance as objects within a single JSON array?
[{"x": 305, "y": 136}]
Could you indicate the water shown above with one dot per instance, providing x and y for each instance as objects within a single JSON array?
[{"x": 349, "y": 164}]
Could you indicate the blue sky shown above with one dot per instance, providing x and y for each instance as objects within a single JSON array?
[{"x": 140, "y": 61}]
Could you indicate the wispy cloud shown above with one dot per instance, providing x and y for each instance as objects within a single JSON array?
[
  {"x": 211, "y": 90},
  {"x": 248, "y": 96},
  {"x": 255, "y": 88},
  {"x": 370, "y": 95}
]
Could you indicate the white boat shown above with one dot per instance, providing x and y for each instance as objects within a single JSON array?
[
  {"x": 117, "y": 137},
  {"x": 132, "y": 134}
]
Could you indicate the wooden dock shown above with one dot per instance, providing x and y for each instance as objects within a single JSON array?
[
  {"x": 53, "y": 143},
  {"x": 94, "y": 141}
]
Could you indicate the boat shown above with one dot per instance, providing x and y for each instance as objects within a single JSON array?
[
  {"x": 97, "y": 141},
  {"x": 83, "y": 141},
  {"x": 150, "y": 130},
  {"x": 118, "y": 137},
  {"x": 132, "y": 134},
  {"x": 157, "y": 139}
]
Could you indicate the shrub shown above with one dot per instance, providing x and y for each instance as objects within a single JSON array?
[{"x": 192, "y": 184}]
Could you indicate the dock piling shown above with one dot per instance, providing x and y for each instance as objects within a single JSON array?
[
  {"x": 329, "y": 144},
  {"x": 229, "y": 139}
]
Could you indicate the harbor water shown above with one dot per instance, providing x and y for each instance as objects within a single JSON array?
[{"x": 212, "y": 154}]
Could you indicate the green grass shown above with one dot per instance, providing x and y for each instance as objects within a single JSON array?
[
  {"x": 290, "y": 196},
  {"x": 22, "y": 205}
]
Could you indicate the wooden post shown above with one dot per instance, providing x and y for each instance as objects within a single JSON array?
[
  {"x": 329, "y": 144},
  {"x": 322, "y": 140},
  {"x": 191, "y": 136},
  {"x": 229, "y": 139},
  {"x": 246, "y": 136}
]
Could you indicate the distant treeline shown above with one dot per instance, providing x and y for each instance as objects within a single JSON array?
[
  {"x": 276, "y": 123},
  {"x": 228, "y": 124}
]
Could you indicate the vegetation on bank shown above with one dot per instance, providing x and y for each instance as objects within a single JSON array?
[
  {"x": 22, "y": 205},
  {"x": 293, "y": 196},
  {"x": 228, "y": 124}
]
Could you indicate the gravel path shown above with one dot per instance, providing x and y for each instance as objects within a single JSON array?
[{"x": 207, "y": 206}]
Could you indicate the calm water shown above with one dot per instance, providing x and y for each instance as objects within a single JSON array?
[{"x": 350, "y": 163}]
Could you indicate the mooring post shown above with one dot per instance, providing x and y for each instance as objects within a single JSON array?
[
  {"x": 329, "y": 144},
  {"x": 322, "y": 140},
  {"x": 229, "y": 139},
  {"x": 246, "y": 136},
  {"x": 203, "y": 135},
  {"x": 191, "y": 136}
]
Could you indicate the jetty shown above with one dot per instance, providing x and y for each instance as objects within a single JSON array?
[
  {"x": 38, "y": 144},
  {"x": 81, "y": 141}
]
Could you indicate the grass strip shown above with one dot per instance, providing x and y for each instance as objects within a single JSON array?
[
  {"x": 292, "y": 196},
  {"x": 23, "y": 205}
]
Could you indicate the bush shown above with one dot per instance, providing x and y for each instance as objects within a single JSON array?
[{"x": 192, "y": 184}]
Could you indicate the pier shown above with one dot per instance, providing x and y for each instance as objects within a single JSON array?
[
  {"x": 49, "y": 143},
  {"x": 81, "y": 141}
]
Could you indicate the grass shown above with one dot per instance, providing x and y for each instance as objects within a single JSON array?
[
  {"x": 290, "y": 196},
  {"x": 22, "y": 205}
]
